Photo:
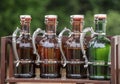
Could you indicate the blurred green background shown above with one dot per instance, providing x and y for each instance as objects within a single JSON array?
[{"x": 11, "y": 9}]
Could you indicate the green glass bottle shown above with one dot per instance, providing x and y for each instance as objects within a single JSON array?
[{"x": 99, "y": 50}]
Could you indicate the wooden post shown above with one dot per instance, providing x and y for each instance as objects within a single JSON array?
[
  {"x": 115, "y": 60},
  {"x": 118, "y": 61},
  {"x": 3, "y": 61},
  {"x": 11, "y": 66}
]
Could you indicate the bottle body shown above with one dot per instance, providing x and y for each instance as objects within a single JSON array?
[
  {"x": 50, "y": 57},
  {"x": 26, "y": 67},
  {"x": 99, "y": 58},
  {"x": 48, "y": 49},
  {"x": 75, "y": 61},
  {"x": 99, "y": 51}
]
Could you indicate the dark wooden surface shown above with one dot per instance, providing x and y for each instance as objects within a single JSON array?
[
  {"x": 4, "y": 78},
  {"x": 57, "y": 80}
]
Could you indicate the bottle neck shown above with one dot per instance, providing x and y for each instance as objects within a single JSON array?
[
  {"x": 100, "y": 26},
  {"x": 51, "y": 28},
  {"x": 77, "y": 27},
  {"x": 25, "y": 28}
]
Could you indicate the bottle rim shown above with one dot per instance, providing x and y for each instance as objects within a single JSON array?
[
  {"x": 100, "y": 16},
  {"x": 77, "y": 16},
  {"x": 50, "y": 16},
  {"x": 25, "y": 16}
]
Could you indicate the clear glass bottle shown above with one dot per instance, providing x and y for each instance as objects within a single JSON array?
[
  {"x": 99, "y": 50},
  {"x": 48, "y": 50},
  {"x": 23, "y": 50},
  {"x": 75, "y": 61}
]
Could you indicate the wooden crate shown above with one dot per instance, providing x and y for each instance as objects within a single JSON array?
[{"x": 7, "y": 60}]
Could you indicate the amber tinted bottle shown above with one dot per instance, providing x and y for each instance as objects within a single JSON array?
[
  {"x": 24, "y": 67},
  {"x": 49, "y": 50},
  {"x": 75, "y": 61}
]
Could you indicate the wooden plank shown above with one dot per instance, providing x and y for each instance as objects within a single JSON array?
[
  {"x": 114, "y": 44},
  {"x": 58, "y": 80},
  {"x": 45, "y": 83},
  {"x": 11, "y": 59}
]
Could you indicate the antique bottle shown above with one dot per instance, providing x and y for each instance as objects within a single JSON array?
[
  {"x": 99, "y": 50},
  {"x": 24, "y": 66},
  {"x": 48, "y": 49},
  {"x": 72, "y": 49}
]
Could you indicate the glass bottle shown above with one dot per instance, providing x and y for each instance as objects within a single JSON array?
[
  {"x": 75, "y": 61},
  {"x": 99, "y": 50},
  {"x": 48, "y": 50},
  {"x": 24, "y": 66}
]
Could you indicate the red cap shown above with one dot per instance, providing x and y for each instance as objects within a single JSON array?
[
  {"x": 25, "y": 17},
  {"x": 51, "y": 17},
  {"x": 77, "y": 17},
  {"x": 100, "y": 16}
]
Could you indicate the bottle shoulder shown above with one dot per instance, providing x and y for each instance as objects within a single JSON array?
[
  {"x": 24, "y": 41},
  {"x": 49, "y": 42},
  {"x": 74, "y": 42},
  {"x": 102, "y": 39},
  {"x": 99, "y": 42}
]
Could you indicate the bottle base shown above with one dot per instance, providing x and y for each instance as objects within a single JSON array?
[
  {"x": 50, "y": 75},
  {"x": 76, "y": 76},
  {"x": 99, "y": 78},
  {"x": 24, "y": 75}
]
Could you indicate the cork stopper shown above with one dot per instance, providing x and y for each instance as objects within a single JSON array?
[
  {"x": 77, "y": 17},
  {"x": 100, "y": 16}
]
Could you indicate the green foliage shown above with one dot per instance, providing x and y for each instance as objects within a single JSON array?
[
  {"x": 113, "y": 23},
  {"x": 11, "y": 9}
]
